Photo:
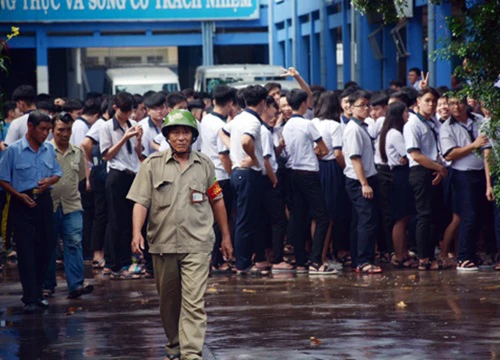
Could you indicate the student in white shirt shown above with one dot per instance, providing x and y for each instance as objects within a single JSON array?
[
  {"x": 84, "y": 116},
  {"x": 460, "y": 138},
  {"x": 196, "y": 108},
  {"x": 491, "y": 180},
  {"x": 361, "y": 182},
  {"x": 346, "y": 115},
  {"x": 300, "y": 135},
  {"x": 401, "y": 200},
  {"x": 120, "y": 144},
  {"x": 212, "y": 146},
  {"x": 139, "y": 109},
  {"x": 174, "y": 101},
  {"x": 242, "y": 136},
  {"x": 326, "y": 119},
  {"x": 24, "y": 96},
  {"x": 97, "y": 177},
  {"x": 426, "y": 174},
  {"x": 378, "y": 108},
  {"x": 273, "y": 205},
  {"x": 413, "y": 78},
  {"x": 156, "y": 110}
]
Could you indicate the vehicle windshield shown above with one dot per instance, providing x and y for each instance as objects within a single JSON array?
[
  {"x": 213, "y": 82},
  {"x": 142, "y": 88}
]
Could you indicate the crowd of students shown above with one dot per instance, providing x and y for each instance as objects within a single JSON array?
[{"x": 313, "y": 180}]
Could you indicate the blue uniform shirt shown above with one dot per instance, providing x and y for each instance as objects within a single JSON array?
[{"x": 23, "y": 168}]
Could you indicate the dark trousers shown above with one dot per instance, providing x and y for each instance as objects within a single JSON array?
[
  {"x": 366, "y": 215},
  {"x": 98, "y": 185},
  {"x": 428, "y": 200},
  {"x": 247, "y": 190},
  {"x": 88, "y": 219},
  {"x": 35, "y": 243},
  {"x": 120, "y": 208},
  {"x": 227, "y": 193},
  {"x": 384, "y": 175},
  {"x": 274, "y": 210},
  {"x": 285, "y": 184},
  {"x": 308, "y": 199},
  {"x": 469, "y": 188}
]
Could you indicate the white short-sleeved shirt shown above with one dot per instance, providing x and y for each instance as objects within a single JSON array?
[
  {"x": 421, "y": 135},
  {"x": 300, "y": 135},
  {"x": 268, "y": 146},
  {"x": 17, "y": 129},
  {"x": 247, "y": 122},
  {"x": 395, "y": 147},
  {"x": 150, "y": 130},
  {"x": 79, "y": 130},
  {"x": 332, "y": 136},
  {"x": 375, "y": 129},
  {"x": 357, "y": 143},
  {"x": 454, "y": 134},
  {"x": 211, "y": 143},
  {"x": 110, "y": 134},
  {"x": 93, "y": 133}
]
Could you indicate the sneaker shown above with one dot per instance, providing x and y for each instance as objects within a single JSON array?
[
  {"x": 467, "y": 265},
  {"x": 324, "y": 269}
]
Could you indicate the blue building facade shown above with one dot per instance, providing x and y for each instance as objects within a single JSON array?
[
  {"x": 330, "y": 44},
  {"x": 325, "y": 40}
]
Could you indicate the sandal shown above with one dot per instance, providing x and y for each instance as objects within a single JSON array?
[
  {"x": 428, "y": 266},
  {"x": 253, "y": 270},
  {"x": 135, "y": 269},
  {"x": 346, "y": 260},
  {"x": 283, "y": 267},
  {"x": 173, "y": 357},
  {"x": 404, "y": 264},
  {"x": 47, "y": 293},
  {"x": 368, "y": 268},
  {"x": 124, "y": 275},
  {"x": 467, "y": 265},
  {"x": 98, "y": 264},
  {"x": 216, "y": 270},
  {"x": 324, "y": 269}
]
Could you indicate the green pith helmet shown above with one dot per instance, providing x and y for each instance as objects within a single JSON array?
[{"x": 180, "y": 118}]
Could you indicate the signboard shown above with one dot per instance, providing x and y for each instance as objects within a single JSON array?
[{"x": 12, "y": 11}]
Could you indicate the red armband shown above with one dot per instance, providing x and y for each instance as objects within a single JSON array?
[{"x": 214, "y": 190}]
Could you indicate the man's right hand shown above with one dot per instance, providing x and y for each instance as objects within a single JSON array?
[
  {"x": 480, "y": 141},
  {"x": 131, "y": 132},
  {"x": 27, "y": 200},
  {"x": 137, "y": 244},
  {"x": 442, "y": 171}
]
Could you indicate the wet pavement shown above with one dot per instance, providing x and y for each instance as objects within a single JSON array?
[{"x": 396, "y": 315}]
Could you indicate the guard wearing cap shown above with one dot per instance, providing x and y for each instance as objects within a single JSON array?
[{"x": 179, "y": 189}]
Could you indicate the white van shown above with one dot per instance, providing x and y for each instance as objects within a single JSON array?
[
  {"x": 138, "y": 80},
  {"x": 207, "y": 77}
]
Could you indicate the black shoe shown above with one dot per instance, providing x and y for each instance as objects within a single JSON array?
[
  {"x": 43, "y": 303},
  {"x": 75, "y": 294},
  {"x": 30, "y": 308}
]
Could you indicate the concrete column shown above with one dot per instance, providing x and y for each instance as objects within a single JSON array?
[
  {"x": 271, "y": 30},
  {"x": 390, "y": 61},
  {"x": 314, "y": 55},
  {"x": 207, "y": 32},
  {"x": 42, "y": 68},
  {"x": 346, "y": 42},
  {"x": 415, "y": 41},
  {"x": 444, "y": 67}
]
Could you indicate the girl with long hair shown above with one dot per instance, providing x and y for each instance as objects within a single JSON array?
[{"x": 402, "y": 203}]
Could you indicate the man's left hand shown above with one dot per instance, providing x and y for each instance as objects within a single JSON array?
[
  {"x": 44, "y": 184},
  {"x": 227, "y": 248}
]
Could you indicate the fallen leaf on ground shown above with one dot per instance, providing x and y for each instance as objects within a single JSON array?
[
  {"x": 314, "y": 341},
  {"x": 248, "y": 291},
  {"x": 401, "y": 305},
  {"x": 482, "y": 299},
  {"x": 71, "y": 311},
  {"x": 412, "y": 277},
  {"x": 406, "y": 288},
  {"x": 212, "y": 290},
  {"x": 494, "y": 287}
]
